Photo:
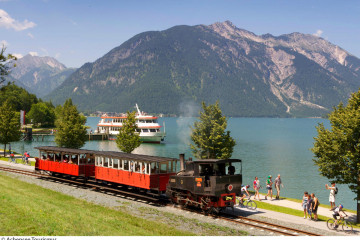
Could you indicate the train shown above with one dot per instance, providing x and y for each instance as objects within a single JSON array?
[{"x": 209, "y": 184}]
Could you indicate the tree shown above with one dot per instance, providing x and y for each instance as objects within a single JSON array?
[
  {"x": 337, "y": 150},
  {"x": 71, "y": 131},
  {"x": 128, "y": 139},
  {"x": 18, "y": 97},
  {"x": 9, "y": 125},
  {"x": 42, "y": 114},
  {"x": 209, "y": 136},
  {"x": 6, "y": 63}
]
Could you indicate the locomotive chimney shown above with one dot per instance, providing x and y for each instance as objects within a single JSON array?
[{"x": 182, "y": 161}]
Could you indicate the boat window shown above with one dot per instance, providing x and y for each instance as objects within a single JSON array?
[
  {"x": 106, "y": 162},
  {"x": 148, "y": 121},
  {"x": 154, "y": 168},
  {"x": 163, "y": 167},
  {"x": 138, "y": 130},
  {"x": 157, "y": 130},
  {"x": 145, "y": 130},
  {"x": 152, "y": 130},
  {"x": 116, "y": 163}
]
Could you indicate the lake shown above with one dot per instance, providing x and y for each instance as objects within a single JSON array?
[{"x": 267, "y": 146}]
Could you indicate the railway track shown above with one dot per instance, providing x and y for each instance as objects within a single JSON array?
[{"x": 262, "y": 225}]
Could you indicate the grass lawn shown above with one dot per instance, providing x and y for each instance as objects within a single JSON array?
[
  {"x": 18, "y": 160},
  {"x": 29, "y": 210}
]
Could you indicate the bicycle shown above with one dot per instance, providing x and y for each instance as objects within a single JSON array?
[
  {"x": 248, "y": 203},
  {"x": 345, "y": 225}
]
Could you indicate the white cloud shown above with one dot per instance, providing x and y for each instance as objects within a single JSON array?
[
  {"x": 8, "y": 22},
  {"x": 318, "y": 33},
  {"x": 57, "y": 55},
  {"x": 17, "y": 55},
  {"x": 30, "y": 35},
  {"x": 33, "y": 53},
  {"x": 4, "y": 43}
]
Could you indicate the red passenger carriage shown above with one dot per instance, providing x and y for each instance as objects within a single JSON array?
[{"x": 142, "y": 171}]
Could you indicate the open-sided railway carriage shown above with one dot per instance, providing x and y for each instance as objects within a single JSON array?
[
  {"x": 141, "y": 171},
  {"x": 210, "y": 184},
  {"x": 75, "y": 162}
]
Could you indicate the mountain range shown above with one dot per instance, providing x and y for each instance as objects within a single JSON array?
[
  {"x": 292, "y": 75},
  {"x": 39, "y": 75}
]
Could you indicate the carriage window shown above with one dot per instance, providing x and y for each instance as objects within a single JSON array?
[
  {"x": 121, "y": 164},
  {"x": 116, "y": 163},
  {"x": 163, "y": 167},
  {"x": 106, "y": 162},
  {"x": 110, "y": 162},
  {"x": 137, "y": 167},
  {"x": 98, "y": 161},
  {"x": 154, "y": 168},
  {"x": 126, "y": 165},
  {"x": 144, "y": 168},
  {"x": 91, "y": 159}
]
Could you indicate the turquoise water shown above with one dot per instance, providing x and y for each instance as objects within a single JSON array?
[{"x": 267, "y": 146}]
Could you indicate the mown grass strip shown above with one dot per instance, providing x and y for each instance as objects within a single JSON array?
[{"x": 29, "y": 210}]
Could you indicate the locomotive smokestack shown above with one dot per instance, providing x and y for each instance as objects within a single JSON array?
[{"x": 182, "y": 161}]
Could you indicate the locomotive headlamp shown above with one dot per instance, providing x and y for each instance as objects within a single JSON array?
[{"x": 230, "y": 187}]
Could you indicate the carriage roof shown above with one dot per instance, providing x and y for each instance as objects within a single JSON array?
[{"x": 112, "y": 154}]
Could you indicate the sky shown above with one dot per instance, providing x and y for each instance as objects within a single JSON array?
[{"x": 79, "y": 31}]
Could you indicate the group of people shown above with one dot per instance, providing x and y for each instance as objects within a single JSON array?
[
  {"x": 269, "y": 187},
  {"x": 25, "y": 158},
  {"x": 310, "y": 204}
]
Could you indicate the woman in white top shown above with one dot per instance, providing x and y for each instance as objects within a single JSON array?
[{"x": 332, "y": 194}]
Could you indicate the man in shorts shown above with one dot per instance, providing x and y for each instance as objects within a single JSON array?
[
  {"x": 277, "y": 186},
  {"x": 337, "y": 213},
  {"x": 244, "y": 192},
  {"x": 269, "y": 184},
  {"x": 314, "y": 206}
]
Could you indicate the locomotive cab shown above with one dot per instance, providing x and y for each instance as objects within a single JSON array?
[{"x": 214, "y": 181}]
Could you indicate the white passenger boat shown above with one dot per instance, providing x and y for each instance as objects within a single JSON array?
[{"x": 147, "y": 126}]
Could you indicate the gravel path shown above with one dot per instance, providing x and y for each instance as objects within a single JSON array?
[{"x": 193, "y": 222}]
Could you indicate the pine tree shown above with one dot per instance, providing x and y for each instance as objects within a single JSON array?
[
  {"x": 9, "y": 125},
  {"x": 127, "y": 139},
  {"x": 6, "y": 63},
  {"x": 70, "y": 125},
  {"x": 209, "y": 135},
  {"x": 337, "y": 150}
]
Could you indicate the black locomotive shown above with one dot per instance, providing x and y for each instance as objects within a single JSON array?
[{"x": 209, "y": 184}]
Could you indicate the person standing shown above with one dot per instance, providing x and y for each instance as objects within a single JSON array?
[
  {"x": 333, "y": 191},
  {"x": 269, "y": 184},
  {"x": 309, "y": 206},
  {"x": 277, "y": 186},
  {"x": 304, "y": 203},
  {"x": 256, "y": 185},
  {"x": 315, "y": 205}
]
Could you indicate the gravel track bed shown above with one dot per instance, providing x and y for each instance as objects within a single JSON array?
[{"x": 193, "y": 222}]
